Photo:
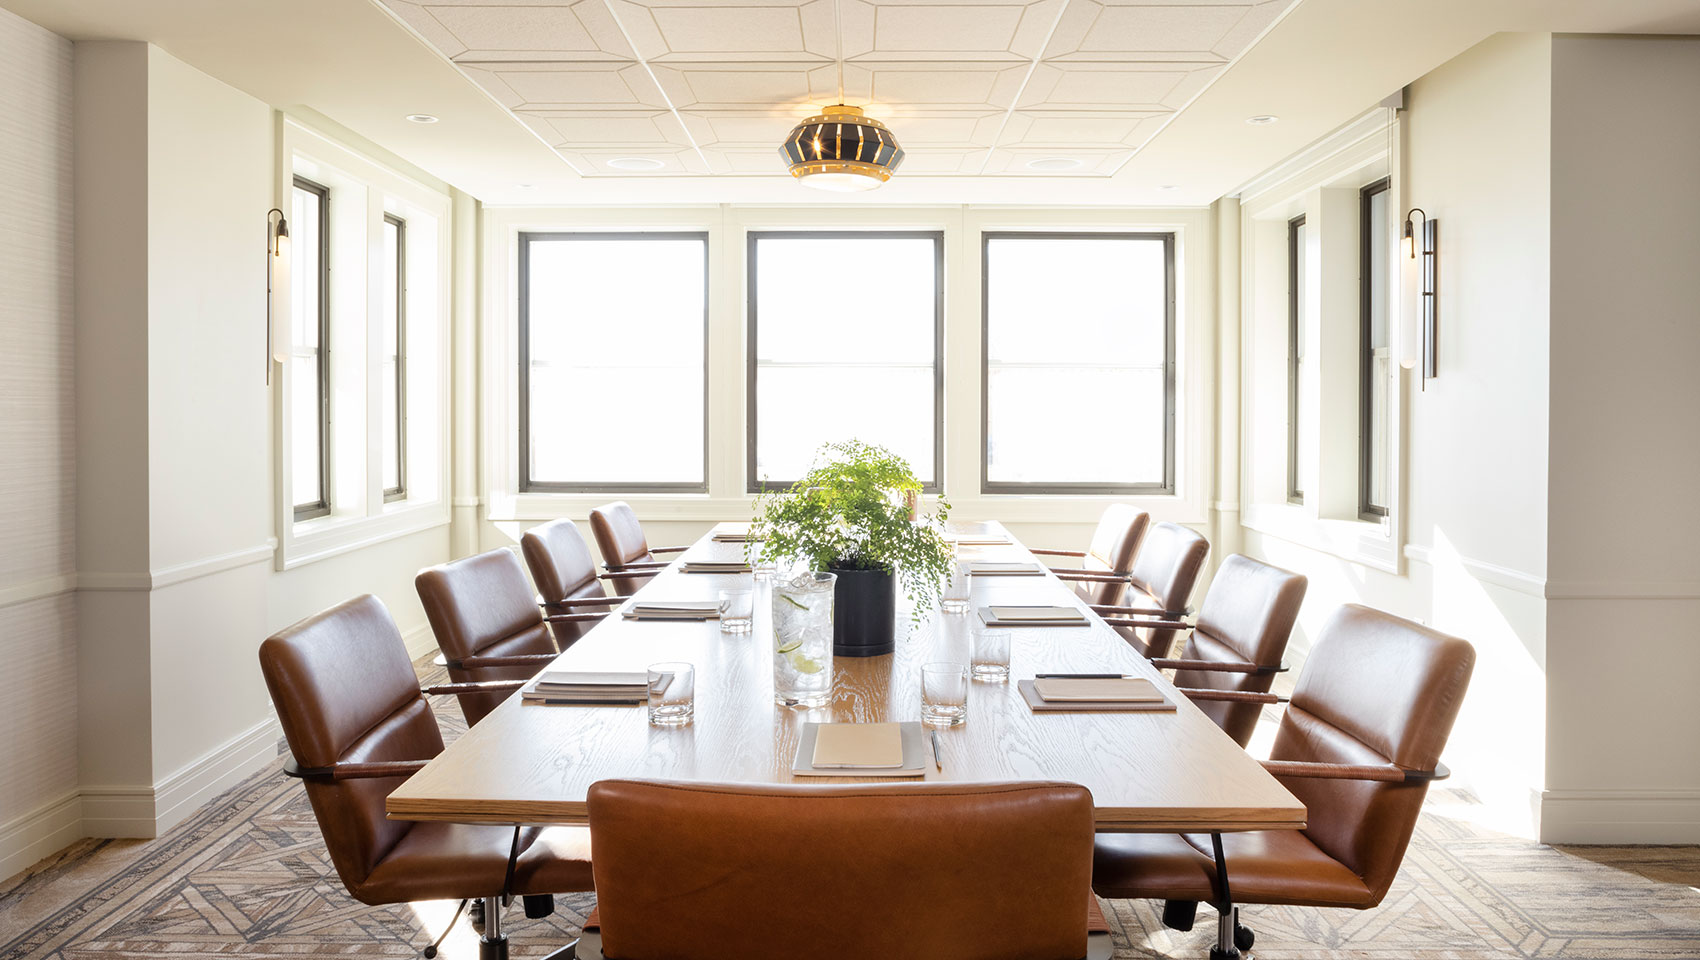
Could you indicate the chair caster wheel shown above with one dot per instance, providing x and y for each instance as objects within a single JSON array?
[
  {"x": 475, "y": 916},
  {"x": 1244, "y": 938},
  {"x": 1216, "y": 953},
  {"x": 539, "y": 905},
  {"x": 430, "y": 952}
]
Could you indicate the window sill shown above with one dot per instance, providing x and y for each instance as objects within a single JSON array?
[
  {"x": 321, "y": 538},
  {"x": 706, "y": 508},
  {"x": 1370, "y": 543}
]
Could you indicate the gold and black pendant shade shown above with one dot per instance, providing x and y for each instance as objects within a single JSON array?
[{"x": 842, "y": 150}]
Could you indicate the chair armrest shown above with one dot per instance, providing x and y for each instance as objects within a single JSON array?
[
  {"x": 1141, "y": 611},
  {"x": 636, "y": 565},
  {"x": 1216, "y": 666},
  {"x": 585, "y": 602},
  {"x": 668, "y": 549},
  {"x": 1230, "y": 696},
  {"x": 575, "y": 618},
  {"x": 1057, "y": 553},
  {"x": 472, "y": 686},
  {"x": 354, "y": 771},
  {"x": 512, "y": 660},
  {"x": 1092, "y": 576},
  {"x": 1383, "y": 772},
  {"x": 628, "y": 573},
  {"x": 1154, "y": 624}
]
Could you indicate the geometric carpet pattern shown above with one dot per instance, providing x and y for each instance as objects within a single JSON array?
[{"x": 248, "y": 876}]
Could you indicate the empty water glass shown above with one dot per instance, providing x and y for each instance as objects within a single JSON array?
[
  {"x": 672, "y": 693},
  {"x": 957, "y": 591},
  {"x": 944, "y": 693},
  {"x": 737, "y": 607},
  {"x": 990, "y": 658}
]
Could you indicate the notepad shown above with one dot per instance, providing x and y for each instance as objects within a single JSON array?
[
  {"x": 1040, "y": 705},
  {"x": 1024, "y": 614},
  {"x": 569, "y": 686},
  {"x": 859, "y": 745},
  {"x": 714, "y": 566},
  {"x": 1120, "y": 690},
  {"x": 862, "y": 742},
  {"x": 1005, "y": 569},
  {"x": 673, "y": 610}
]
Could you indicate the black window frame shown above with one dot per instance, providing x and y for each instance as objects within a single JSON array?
[
  {"x": 755, "y": 484},
  {"x": 1294, "y": 494},
  {"x": 322, "y": 506},
  {"x": 1170, "y": 400},
  {"x": 1367, "y": 509},
  {"x": 526, "y": 483},
  {"x": 399, "y": 491}
]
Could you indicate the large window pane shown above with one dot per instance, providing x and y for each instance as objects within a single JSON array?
[
  {"x": 845, "y": 331},
  {"x": 612, "y": 329},
  {"x": 1376, "y": 369},
  {"x": 1299, "y": 458},
  {"x": 1083, "y": 322},
  {"x": 309, "y": 367},
  {"x": 393, "y": 379}
]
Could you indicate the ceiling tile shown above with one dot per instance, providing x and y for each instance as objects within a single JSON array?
[
  {"x": 1094, "y": 162},
  {"x": 1067, "y": 128},
  {"x": 594, "y": 162},
  {"x": 786, "y": 86},
  {"x": 608, "y": 127},
  {"x": 939, "y": 84},
  {"x": 609, "y": 85},
  {"x": 555, "y": 33},
  {"x": 1138, "y": 32}
]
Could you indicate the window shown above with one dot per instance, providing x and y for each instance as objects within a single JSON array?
[
  {"x": 393, "y": 383},
  {"x": 846, "y": 331},
  {"x": 613, "y": 327},
  {"x": 309, "y": 369},
  {"x": 1088, "y": 320},
  {"x": 1376, "y": 354},
  {"x": 1298, "y": 300}
]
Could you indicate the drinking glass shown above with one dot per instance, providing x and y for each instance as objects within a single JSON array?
[
  {"x": 957, "y": 591},
  {"x": 737, "y": 608},
  {"x": 802, "y": 639},
  {"x": 990, "y": 658},
  {"x": 944, "y": 693},
  {"x": 672, "y": 693}
]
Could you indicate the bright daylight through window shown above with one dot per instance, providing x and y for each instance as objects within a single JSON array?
[
  {"x": 309, "y": 367},
  {"x": 1079, "y": 339},
  {"x": 394, "y": 358}
]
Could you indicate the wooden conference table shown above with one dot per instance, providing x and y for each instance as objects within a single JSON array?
[{"x": 1148, "y": 772}]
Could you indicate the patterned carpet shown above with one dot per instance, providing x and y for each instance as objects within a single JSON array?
[{"x": 248, "y": 876}]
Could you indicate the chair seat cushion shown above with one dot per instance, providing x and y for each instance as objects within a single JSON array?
[
  {"x": 449, "y": 861},
  {"x": 1267, "y": 866},
  {"x": 558, "y": 861}
]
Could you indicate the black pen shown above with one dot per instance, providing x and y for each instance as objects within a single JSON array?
[{"x": 1079, "y": 676}]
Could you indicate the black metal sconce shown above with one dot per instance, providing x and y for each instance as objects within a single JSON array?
[
  {"x": 277, "y": 276},
  {"x": 1428, "y": 308}
]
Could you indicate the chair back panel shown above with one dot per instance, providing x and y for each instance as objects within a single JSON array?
[
  {"x": 835, "y": 872},
  {"x": 618, "y": 534},
  {"x": 483, "y": 605},
  {"x": 1164, "y": 572},
  {"x": 1376, "y": 689},
  {"x": 345, "y": 690},
  {"x": 1247, "y": 617},
  {"x": 563, "y": 569},
  {"x": 1115, "y": 543}
]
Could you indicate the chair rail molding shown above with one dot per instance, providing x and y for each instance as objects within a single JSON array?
[
  {"x": 1532, "y": 584},
  {"x": 16, "y": 593},
  {"x": 176, "y": 573}
]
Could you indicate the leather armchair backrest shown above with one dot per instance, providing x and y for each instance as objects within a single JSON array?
[
  {"x": 618, "y": 534},
  {"x": 345, "y": 690},
  {"x": 1164, "y": 572},
  {"x": 1115, "y": 543},
  {"x": 1247, "y": 616},
  {"x": 1375, "y": 689},
  {"x": 483, "y": 605},
  {"x": 562, "y": 569},
  {"x": 689, "y": 871}
]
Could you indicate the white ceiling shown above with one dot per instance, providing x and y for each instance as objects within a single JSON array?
[
  {"x": 355, "y": 64},
  {"x": 970, "y": 88}
]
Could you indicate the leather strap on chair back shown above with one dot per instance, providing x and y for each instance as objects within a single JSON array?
[
  {"x": 345, "y": 690},
  {"x": 562, "y": 569},
  {"x": 619, "y": 536},
  {"x": 1115, "y": 543},
  {"x": 841, "y": 872},
  {"x": 482, "y": 605},
  {"x": 1247, "y": 616},
  {"x": 1376, "y": 689},
  {"x": 1164, "y": 573}
]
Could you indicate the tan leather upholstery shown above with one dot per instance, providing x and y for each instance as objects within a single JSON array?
[
  {"x": 1377, "y": 689},
  {"x": 841, "y": 872},
  {"x": 483, "y": 606},
  {"x": 345, "y": 691},
  {"x": 1247, "y": 617},
  {"x": 562, "y": 569},
  {"x": 620, "y": 539},
  {"x": 1164, "y": 572},
  {"x": 1115, "y": 543}
]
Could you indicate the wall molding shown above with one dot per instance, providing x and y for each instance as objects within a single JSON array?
[
  {"x": 47, "y": 829},
  {"x": 145, "y": 811},
  {"x": 1368, "y": 129},
  {"x": 1507, "y": 577},
  {"x": 176, "y": 573},
  {"x": 29, "y": 590},
  {"x": 1620, "y": 816},
  {"x": 1623, "y": 589}
]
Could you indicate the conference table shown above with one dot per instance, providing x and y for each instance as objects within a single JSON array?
[{"x": 1148, "y": 772}]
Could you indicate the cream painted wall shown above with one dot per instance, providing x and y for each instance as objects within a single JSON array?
[
  {"x": 1624, "y": 583},
  {"x": 38, "y": 640}
]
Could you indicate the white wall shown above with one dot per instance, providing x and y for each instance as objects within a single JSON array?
[
  {"x": 1623, "y": 575},
  {"x": 38, "y": 755}
]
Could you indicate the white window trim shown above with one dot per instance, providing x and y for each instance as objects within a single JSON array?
[
  {"x": 1337, "y": 161},
  {"x": 364, "y": 518}
]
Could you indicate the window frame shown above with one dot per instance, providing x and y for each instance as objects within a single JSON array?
[
  {"x": 525, "y": 239},
  {"x": 752, "y": 482},
  {"x": 1368, "y": 509},
  {"x": 1294, "y": 320},
  {"x": 321, "y": 507},
  {"x": 399, "y": 491},
  {"x": 1170, "y": 398}
]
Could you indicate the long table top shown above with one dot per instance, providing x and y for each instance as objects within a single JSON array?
[{"x": 1148, "y": 772}]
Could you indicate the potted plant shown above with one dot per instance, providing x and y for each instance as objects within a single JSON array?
[{"x": 850, "y": 515}]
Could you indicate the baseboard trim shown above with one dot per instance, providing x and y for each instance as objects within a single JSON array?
[
  {"x": 51, "y": 827},
  {"x": 1620, "y": 816},
  {"x": 147, "y": 811},
  {"x": 420, "y": 641}
]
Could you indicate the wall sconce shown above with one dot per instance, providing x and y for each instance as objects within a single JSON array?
[
  {"x": 1423, "y": 343},
  {"x": 277, "y": 285}
]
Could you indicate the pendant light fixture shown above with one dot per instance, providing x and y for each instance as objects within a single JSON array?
[{"x": 841, "y": 150}]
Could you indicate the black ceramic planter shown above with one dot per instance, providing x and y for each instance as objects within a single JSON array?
[{"x": 864, "y": 612}]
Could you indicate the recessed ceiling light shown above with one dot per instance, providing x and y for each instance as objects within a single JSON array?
[
  {"x": 421, "y": 118},
  {"x": 1262, "y": 120},
  {"x": 1053, "y": 163},
  {"x": 1169, "y": 187},
  {"x": 636, "y": 163}
]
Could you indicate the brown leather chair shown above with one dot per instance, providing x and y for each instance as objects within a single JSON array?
[
  {"x": 1102, "y": 575},
  {"x": 1234, "y": 651},
  {"x": 619, "y": 537},
  {"x": 689, "y": 871},
  {"x": 1164, "y": 573},
  {"x": 1358, "y": 745},
  {"x": 565, "y": 576},
  {"x": 487, "y": 624},
  {"x": 358, "y": 725}
]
